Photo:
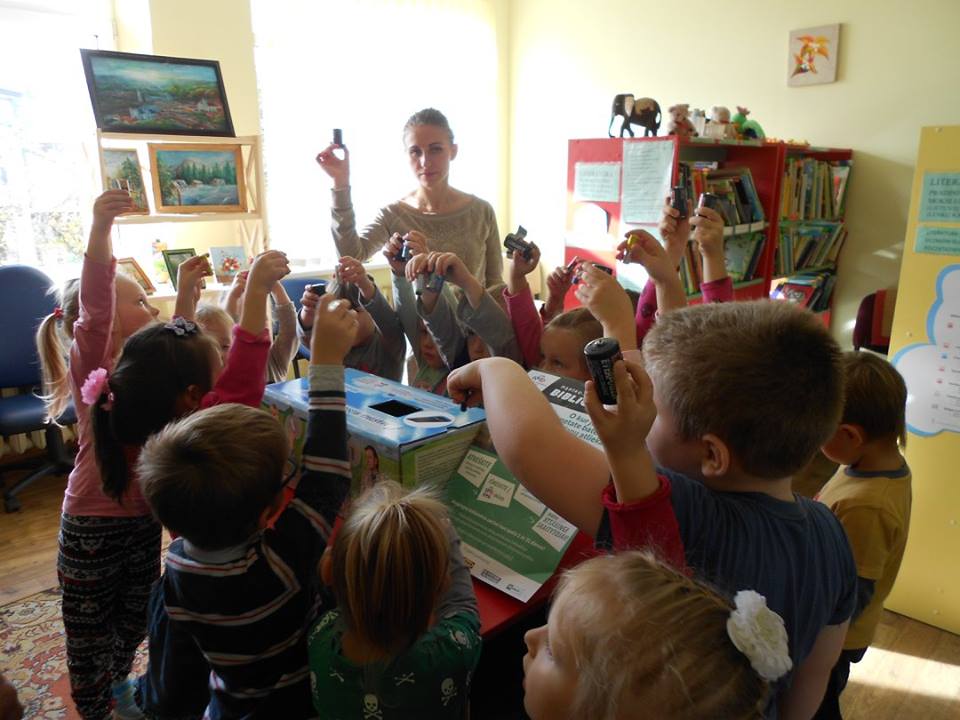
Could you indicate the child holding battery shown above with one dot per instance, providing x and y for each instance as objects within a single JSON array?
[
  {"x": 675, "y": 227},
  {"x": 450, "y": 320},
  {"x": 719, "y": 448}
]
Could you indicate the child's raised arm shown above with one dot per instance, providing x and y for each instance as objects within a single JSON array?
[
  {"x": 267, "y": 270},
  {"x": 609, "y": 303},
  {"x": 527, "y": 323},
  {"x": 622, "y": 431},
  {"x": 558, "y": 283},
  {"x": 662, "y": 270},
  {"x": 190, "y": 274},
  {"x": 564, "y": 472},
  {"x": 105, "y": 210}
]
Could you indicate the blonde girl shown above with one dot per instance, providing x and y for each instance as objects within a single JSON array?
[
  {"x": 405, "y": 637},
  {"x": 629, "y": 637},
  {"x": 104, "y": 542}
]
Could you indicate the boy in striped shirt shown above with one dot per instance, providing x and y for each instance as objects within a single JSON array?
[{"x": 241, "y": 596}]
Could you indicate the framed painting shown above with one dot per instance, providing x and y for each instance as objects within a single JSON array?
[
  {"x": 197, "y": 178},
  {"x": 813, "y": 55},
  {"x": 173, "y": 258},
  {"x": 155, "y": 94},
  {"x": 121, "y": 171},
  {"x": 129, "y": 266},
  {"x": 227, "y": 262}
]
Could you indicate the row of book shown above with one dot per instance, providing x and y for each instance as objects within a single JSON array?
[
  {"x": 734, "y": 186},
  {"x": 814, "y": 189},
  {"x": 808, "y": 245},
  {"x": 742, "y": 255},
  {"x": 812, "y": 290}
]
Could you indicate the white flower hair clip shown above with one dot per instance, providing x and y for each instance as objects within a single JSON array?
[{"x": 760, "y": 634}]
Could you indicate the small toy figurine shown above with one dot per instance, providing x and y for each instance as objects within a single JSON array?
[
  {"x": 679, "y": 123},
  {"x": 747, "y": 129},
  {"x": 644, "y": 112}
]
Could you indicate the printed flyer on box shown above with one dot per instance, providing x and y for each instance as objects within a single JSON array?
[{"x": 510, "y": 539}]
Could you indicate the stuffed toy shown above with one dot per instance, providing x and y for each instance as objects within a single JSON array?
[{"x": 679, "y": 123}]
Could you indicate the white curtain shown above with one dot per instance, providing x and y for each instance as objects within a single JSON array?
[{"x": 365, "y": 66}]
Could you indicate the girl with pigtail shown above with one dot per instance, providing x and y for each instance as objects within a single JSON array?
[{"x": 109, "y": 543}]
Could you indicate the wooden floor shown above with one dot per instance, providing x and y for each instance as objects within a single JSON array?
[{"x": 912, "y": 671}]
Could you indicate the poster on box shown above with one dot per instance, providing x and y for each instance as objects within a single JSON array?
[{"x": 510, "y": 539}]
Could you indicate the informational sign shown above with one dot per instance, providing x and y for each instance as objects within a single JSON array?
[
  {"x": 940, "y": 199},
  {"x": 597, "y": 182},
  {"x": 938, "y": 240},
  {"x": 932, "y": 369},
  {"x": 647, "y": 171},
  {"x": 510, "y": 539}
]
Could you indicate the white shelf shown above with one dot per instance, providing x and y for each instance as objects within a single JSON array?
[
  {"x": 177, "y": 217},
  {"x": 745, "y": 228},
  {"x": 155, "y": 138}
]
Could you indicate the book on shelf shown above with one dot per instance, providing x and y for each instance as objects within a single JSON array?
[
  {"x": 812, "y": 290},
  {"x": 814, "y": 189},
  {"x": 742, "y": 259},
  {"x": 734, "y": 186},
  {"x": 805, "y": 245}
]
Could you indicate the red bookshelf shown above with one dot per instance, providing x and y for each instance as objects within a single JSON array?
[{"x": 765, "y": 160}]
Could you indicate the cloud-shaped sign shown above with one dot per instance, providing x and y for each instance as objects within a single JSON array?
[{"x": 932, "y": 369}]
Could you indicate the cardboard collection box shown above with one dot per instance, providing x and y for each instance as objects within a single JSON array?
[
  {"x": 394, "y": 431},
  {"x": 510, "y": 539}
]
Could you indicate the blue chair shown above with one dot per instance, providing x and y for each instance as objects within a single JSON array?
[
  {"x": 295, "y": 288},
  {"x": 25, "y": 292}
]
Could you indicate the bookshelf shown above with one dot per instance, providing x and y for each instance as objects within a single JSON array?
[{"x": 763, "y": 163}]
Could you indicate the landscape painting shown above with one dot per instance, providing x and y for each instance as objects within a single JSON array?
[
  {"x": 121, "y": 171},
  {"x": 197, "y": 178},
  {"x": 155, "y": 94}
]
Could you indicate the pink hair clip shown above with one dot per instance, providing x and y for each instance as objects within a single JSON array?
[
  {"x": 95, "y": 386},
  {"x": 58, "y": 313}
]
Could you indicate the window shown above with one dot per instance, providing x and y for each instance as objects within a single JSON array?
[
  {"x": 47, "y": 150},
  {"x": 365, "y": 66}
]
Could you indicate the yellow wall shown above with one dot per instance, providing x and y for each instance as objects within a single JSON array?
[
  {"x": 898, "y": 71},
  {"x": 928, "y": 587}
]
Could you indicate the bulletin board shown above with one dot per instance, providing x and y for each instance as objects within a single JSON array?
[{"x": 924, "y": 348}]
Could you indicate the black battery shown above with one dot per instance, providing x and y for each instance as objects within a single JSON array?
[
  {"x": 338, "y": 137},
  {"x": 709, "y": 200},
  {"x": 679, "y": 200},
  {"x": 514, "y": 242},
  {"x": 317, "y": 288},
  {"x": 601, "y": 354}
]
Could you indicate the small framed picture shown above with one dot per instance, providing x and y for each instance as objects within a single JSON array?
[
  {"x": 197, "y": 178},
  {"x": 227, "y": 262},
  {"x": 130, "y": 267},
  {"x": 173, "y": 258},
  {"x": 121, "y": 171}
]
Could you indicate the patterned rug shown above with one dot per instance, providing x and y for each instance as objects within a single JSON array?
[{"x": 34, "y": 659}]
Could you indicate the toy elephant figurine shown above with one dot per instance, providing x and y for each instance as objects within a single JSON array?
[{"x": 645, "y": 112}]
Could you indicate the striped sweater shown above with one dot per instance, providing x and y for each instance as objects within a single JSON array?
[{"x": 248, "y": 608}]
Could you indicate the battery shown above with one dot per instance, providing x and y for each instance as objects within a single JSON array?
[
  {"x": 338, "y": 137},
  {"x": 514, "y": 242},
  {"x": 709, "y": 200},
  {"x": 420, "y": 283},
  {"x": 679, "y": 201},
  {"x": 601, "y": 354},
  {"x": 435, "y": 282},
  {"x": 317, "y": 288},
  {"x": 404, "y": 255}
]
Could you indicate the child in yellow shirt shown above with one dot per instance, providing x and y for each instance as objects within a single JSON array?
[{"x": 870, "y": 496}]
